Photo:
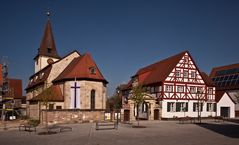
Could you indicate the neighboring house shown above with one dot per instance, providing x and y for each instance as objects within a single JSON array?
[
  {"x": 75, "y": 81},
  {"x": 175, "y": 88},
  {"x": 225, "y": 104},
  {"x": 10, "y": 96},
  {"x": 226, "y": 78}
]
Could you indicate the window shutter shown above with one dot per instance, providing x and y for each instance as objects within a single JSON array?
[
  {"x": 186, "y": 107},
  {"x": 168, "y": 107},
  {"x": 208, "y": 106},
  {"x": 214, "y": 107},
  {"x": 201, "y": 106},
  {"x": 194, "y": 107},
  {"x": 178, "y": 107}
]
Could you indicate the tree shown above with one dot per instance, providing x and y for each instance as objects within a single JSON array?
[
  {"x": 44, "y": 98},
  {"x": 138, "y": 96},
  {"x": 114, "y": 102}
]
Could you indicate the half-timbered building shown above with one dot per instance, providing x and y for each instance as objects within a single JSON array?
[{"x": 175, "y": 87}]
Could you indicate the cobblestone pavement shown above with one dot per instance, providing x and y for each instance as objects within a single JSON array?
[{"x": 155, "y": 133}]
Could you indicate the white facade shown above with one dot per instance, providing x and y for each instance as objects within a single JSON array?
[
  {"x": 41, "y": 62},
  {"x": 226, "y": 103},
  {"x": 190, "y": 111}
]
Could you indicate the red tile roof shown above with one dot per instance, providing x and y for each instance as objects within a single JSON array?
[
  {"x": 158, "y": 71},
  {"x": 39, "y": 78},
  {"x": 219, "y": 95},
  {"x": 15, "y": 88},
  {"x": 53, "y": 93},
  {"x": 48, "y": 43},
  {"x": 1, "y": 79},
  {"x": 226, "y": 67},
  {"x": 80, "y": 68},
  {"x": 206, "y": 79}
]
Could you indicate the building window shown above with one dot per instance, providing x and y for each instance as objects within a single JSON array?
[
  {"x": 200, "y": 89},
  {"x": 210, "y": 91},
  {"x": 195, "y": 107},
  {"x": 211, "y": 107},
  {"x": 92, "y": 70},
  {"x": 144, "y": 107},
  {"x": 169, "y": 88},
  {"x": 186, "y": 59},
  {"x": 178, "y": 73},
  {"x": 193, "y": 74},
  {"x": 181, "y": 107},
  {"x": 58, "y": 107},
  {"x": 185, "y": 73},
  {"x": 171, "y": 107},
  {"x": 152, "y": 90},
  {"x": 192, "y": 89},
  {"x": 49, "y": 50},
  {"x": 92, "y": 99},
  {"x": 180, "y": 89},
  {"x": 51, "y": 106}
]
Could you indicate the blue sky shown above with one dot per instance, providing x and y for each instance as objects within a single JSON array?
[{"x": 121, "y": 35}]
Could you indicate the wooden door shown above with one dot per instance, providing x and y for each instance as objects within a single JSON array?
[
  {"x": 126, "y": 115},
  {"x": 156, "y": 114}
]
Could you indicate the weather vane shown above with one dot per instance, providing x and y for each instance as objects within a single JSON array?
[{"x": 48, "y": 13}]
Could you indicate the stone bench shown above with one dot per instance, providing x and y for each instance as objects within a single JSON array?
[{"x": 106, "y": 125}]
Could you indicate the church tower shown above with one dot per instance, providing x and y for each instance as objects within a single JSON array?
[{"x": 47, "y": 52}]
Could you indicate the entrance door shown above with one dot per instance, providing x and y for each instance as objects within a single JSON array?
[
  {"x": 225, "y": 111},
  {"x": 126, "y": 115},
  {"x": 156, "y": 114}
]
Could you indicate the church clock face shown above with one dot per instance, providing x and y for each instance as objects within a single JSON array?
[{"x": 50, "y": 61}]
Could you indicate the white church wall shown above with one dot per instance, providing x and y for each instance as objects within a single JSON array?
[
  {"x": 190, "y": 112},
  {"x": 225, "y": 101},
  {"x": 41, "y": 62}
]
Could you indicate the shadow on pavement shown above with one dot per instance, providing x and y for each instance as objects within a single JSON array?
[{"x": 229, "y": 130}]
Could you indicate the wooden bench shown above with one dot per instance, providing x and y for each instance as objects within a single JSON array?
[
  {"x": 27, "y": 127},
  {"x": 182, "y": 120},
  {"x": 106, "y": 125}
]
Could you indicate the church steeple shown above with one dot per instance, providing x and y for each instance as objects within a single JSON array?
[
  {"x": 47, "y": 46},
  {"x": 47, "y": 53}
]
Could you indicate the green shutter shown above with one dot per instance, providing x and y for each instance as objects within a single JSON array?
[
  {"x": 186, "y": 107},
  {"x": 178, "y": 107},
  {"x": 214, "y": 107},
  {"x": 201, "y": 106},
  {"x": 194, "y": 107},
  {"x": 208, "y": 106},
  {"x": 168, "y": 106}
]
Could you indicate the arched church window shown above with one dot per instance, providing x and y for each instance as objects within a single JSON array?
[{"x": 92, "y": 99}]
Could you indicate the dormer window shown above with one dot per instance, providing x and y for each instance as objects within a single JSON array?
[
  {"x": 49, "y": 50},
  {"x": 41, "y": 75},
  {"x": 92, "y": 70},
  {"x": 36, "y": 78}
]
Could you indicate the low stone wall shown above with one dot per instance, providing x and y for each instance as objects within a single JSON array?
[{"x": 72, "y": 116}]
